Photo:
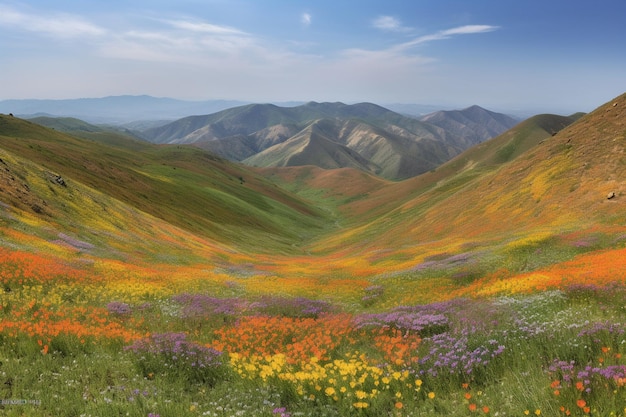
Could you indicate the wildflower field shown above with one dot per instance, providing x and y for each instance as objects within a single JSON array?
[{"x": 97, "y": 337}]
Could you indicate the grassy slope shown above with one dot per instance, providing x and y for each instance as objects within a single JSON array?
[
  {"x": 523, "y": 183},
  {"x": 183, "y": 186}
]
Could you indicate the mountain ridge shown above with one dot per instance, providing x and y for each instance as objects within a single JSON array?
[{"x": 408, "y": 146}]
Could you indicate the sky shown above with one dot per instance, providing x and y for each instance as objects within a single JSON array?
[{"x": 556, "y": 56}]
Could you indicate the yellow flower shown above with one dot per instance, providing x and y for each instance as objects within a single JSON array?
[
  {"x": 537, "y": 412},
  {"x": 330, "y": 391},
  {"x": 431, "y": 395},
  {"x": 360, "y": 394},
  {"x": 418, "y": 382},
  {"x": 360, "y": 404}
]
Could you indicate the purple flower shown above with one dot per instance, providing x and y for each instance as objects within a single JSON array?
[
  {"x": 119, "y": 308},
  {"x": 203, "y": 306},
  {"x": 172, "y": 351},
  {"x": 281, "y": 411},
  {"x": 410, "y": 319}
]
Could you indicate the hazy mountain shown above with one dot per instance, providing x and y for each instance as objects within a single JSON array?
[
  {"x": 415, "y": 110},
  {"x": 472, "y": 125},
  {"x": 116, "y": 109},
  {"x": 396, "y": 146},
  {"x": 312, "y": 146}
]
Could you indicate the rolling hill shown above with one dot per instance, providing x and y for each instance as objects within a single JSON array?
[
  {"x": 394, "y": 146},
  {"x": 180, "y": 185},
  {"x": 115, "y": 136}
]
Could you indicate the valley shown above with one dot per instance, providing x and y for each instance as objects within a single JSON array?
[{"x": 320, "y": 260}]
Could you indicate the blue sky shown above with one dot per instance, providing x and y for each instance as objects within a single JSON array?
[{"x": 509, "y": 55}]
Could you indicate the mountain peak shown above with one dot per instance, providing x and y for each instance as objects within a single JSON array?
[{"x": 475, "y": 107}]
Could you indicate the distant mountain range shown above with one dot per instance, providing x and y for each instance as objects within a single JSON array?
[
  {"x": 115, "y": 109},
  {"x": 335, "y": 135},
  {"x": 131, "y": 109}
]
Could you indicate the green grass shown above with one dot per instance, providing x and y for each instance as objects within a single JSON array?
[{"x": 103, "y": 379}]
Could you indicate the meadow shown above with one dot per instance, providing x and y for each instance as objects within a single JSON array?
[
  {"x": 393, "y": 300},
  {"x": 105, "y": 338}
]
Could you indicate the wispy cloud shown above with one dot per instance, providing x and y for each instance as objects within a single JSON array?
[
  {"x": 446, "y": 34},
  {"x": 177, "y": 41},
  {"x": 390, "y": 23},
  {"x": 400, "y": 52},
  {"x": 61, "y": 25},
  {"x": 306, "y": 19},
  {"x": 204, "y": 27}
]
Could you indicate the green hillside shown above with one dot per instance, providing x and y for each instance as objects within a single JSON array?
[
  {"x": 81, "y": 129},
  {"x": 184, "y": 186}
]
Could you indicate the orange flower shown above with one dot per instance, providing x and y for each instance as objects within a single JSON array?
[
  {"x": 398, "y": 405},
  {"x": 472, "y": 407},
  {"x": 581, "y": 403},
  {"x": 468, "y": 395},
  {"x": 580, "y": 386},
  {"x": 485, "y": 409}
]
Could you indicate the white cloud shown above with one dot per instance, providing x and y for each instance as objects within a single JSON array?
[
  {"x": 389, "y": 23},
  {"x": 469, "y": 29},
  {"x": 306, "y": 19},
  {"x": 60, "y": 25},
  {"x": 203, "y": 27},
  {"x": 187, "y": 41},
  {"x": 446, "y": 34}
]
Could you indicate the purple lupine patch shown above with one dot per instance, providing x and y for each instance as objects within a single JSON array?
[{"x": 119, "y": 308}]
